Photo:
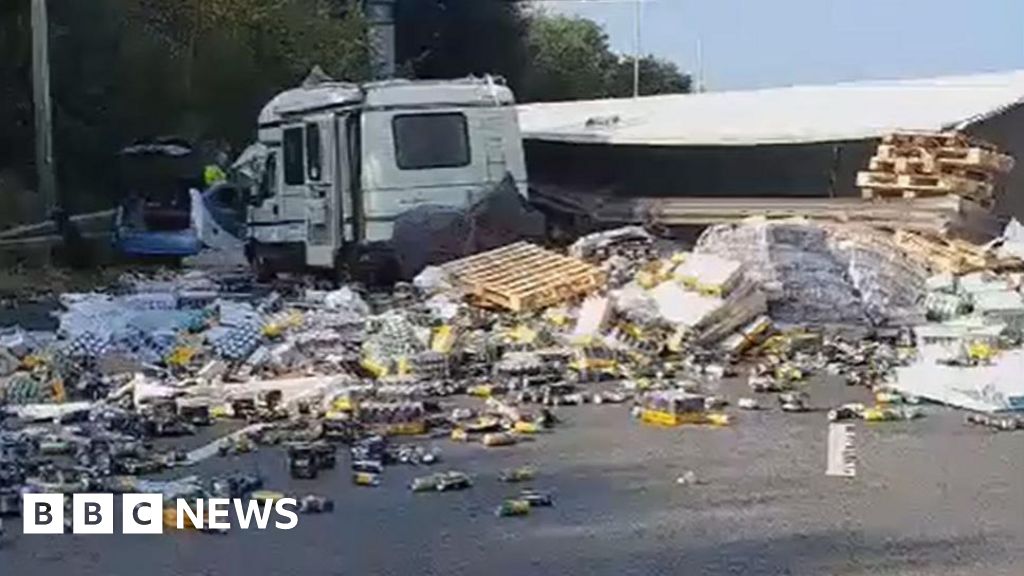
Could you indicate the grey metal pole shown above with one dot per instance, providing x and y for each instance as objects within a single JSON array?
[
  {"x": 45, "y": 169},
  {"x": 636, "y": 48},
  {"x": 700, "y": 65},
  {"x": 380, "y": 15}
]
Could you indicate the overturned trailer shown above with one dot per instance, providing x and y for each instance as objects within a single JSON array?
[{"x": 708, "y": 158}]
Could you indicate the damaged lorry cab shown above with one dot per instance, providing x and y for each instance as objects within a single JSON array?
[{"x": 345, "y": 160}]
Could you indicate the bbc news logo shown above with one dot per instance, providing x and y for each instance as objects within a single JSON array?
[{"x": 145, "y": 514}]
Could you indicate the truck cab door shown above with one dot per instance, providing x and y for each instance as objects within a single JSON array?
[
  {"x": 309, "y": 190},
  {"x": 346, "y": 162},
  {"x": 279, "y": 217}
]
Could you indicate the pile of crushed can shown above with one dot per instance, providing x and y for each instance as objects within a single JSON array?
[{"x": 306, "y": 369}]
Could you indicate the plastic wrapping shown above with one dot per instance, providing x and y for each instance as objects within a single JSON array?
[
  {"x": 987, "y": 387},
  {"x": 1011, "y": 243},
  {"x": 21, "y": 343},
  {"x": 434, "y": 234},
  {"x": 443, "y": 308},
  {"x": 677, "y": 305},
  {"x": 238, "y": 314},
  {"x": 432, "y": 280},
  {"x": 823, "y": 274},
  {"x": 125, "y": 319},
  {"x": 635, "y": 304},
  {"x": 345, "y": 299},
  {"x": 621, "y": 252},
  {"x": 601, "y": 245},
  {"x": 709, "y": 274}
]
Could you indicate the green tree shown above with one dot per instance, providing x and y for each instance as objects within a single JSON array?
[
  {"x": 16, "y": 132},
  {"x": 657, "y": 76},
  {"x": 124, "y": 70},
  {"x": 235, "y": 54},
  {"x": 201, "y": 69},
  {"x": 456, "y": 38},
  {"x": 571, "y": 59}
]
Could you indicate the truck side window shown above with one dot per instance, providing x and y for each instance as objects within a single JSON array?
[
  {"x": 313, "y": 153},
  {"x": 294, "y": 163},
  {"x": 430, "y": 140}
]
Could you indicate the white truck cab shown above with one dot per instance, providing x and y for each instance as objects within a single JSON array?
[{"x": 345, "y": 160}]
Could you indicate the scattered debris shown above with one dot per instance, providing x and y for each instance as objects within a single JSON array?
[
  {"x": 441, "y": 482},
  {"x": 314, "y": 504},
  {"x": 689, "y": 478},
  {"x": 1000, "y": 423},
  {"x": 748, "y": 404},
  {"x": 536, "y": 498},
  {"x": 499, "y": 348},
  {"x": 846, "y": 412},
  {"x": 513, "y": 507},
  {"x": 823, "y": 274},
  {"x": 494, "y": 439},
  {"x": 794, "y": 401},
  {"x": 521, "y": 474},
  {"x": 366, "y": 479}
]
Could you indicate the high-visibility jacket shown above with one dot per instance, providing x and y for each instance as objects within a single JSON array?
[{"x": 213, "y": 174}]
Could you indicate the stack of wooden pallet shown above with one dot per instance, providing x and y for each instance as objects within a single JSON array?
[{"x": 918, "y": 164}]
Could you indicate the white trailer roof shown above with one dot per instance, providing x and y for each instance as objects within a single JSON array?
[{"x": 790, "y": 115}]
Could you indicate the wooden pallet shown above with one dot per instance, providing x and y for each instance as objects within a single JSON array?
[
  {"x": 523, "y": 277},
  {"x": 943, "y": 255},
  {"x": 978, "y": 158},
  {"x": 967, "y": 158},
  {"x": 927, "y": 166},
  {"x": 887, "y": 195},
  {"x": 917, "y": 185},
  {"x": 935, "y": 140}
]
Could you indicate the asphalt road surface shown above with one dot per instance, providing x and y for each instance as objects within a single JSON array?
[{"x": 932, "y": 496}]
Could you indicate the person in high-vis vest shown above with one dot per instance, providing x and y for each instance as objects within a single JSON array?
[{"x": 213, "y": 173}]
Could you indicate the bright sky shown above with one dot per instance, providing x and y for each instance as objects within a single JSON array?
[{"x": 757, "y": 43}]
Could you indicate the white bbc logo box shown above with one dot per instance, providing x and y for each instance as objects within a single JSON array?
[{"x": 92, "y": 513}]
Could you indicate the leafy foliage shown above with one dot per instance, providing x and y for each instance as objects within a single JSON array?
[
  {"x": 15, "y": 85},
  {"x": 657, "y": 76},
  {"x": 571, "y": 59},
  {"x": 543, "y": 56},
  {"x": 125, "y": 70},
  {"x": 195, "y": 68},
  {"x": 455, "y": 38}
]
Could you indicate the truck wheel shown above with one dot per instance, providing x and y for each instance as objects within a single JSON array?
[
  {"x": 371, "y": 267},
  {"x": 342, "y": 272},
  {"x": 261, "y": 268},
  {"x": 383, "y": 272}
]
